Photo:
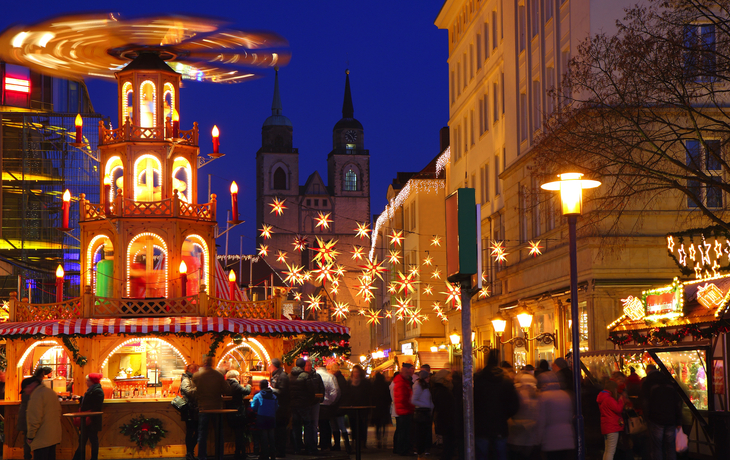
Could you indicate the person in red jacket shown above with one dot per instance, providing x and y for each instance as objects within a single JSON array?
[
  {"x": 611, "y": 406},
  {"x": 402, "y": 392}
]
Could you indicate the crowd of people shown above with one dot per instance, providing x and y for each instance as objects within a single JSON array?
[{"x": 523, "y": 415}]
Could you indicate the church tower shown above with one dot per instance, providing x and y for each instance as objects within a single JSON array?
[
  {"x": 348, "y": 166},
  {"x": 277, "y": 175}
]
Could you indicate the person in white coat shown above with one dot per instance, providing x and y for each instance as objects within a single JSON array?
[
  {"x": 328, "y": 407},
  {"x": 44, "y": 421},
  {"x": 423, "y": 415}
]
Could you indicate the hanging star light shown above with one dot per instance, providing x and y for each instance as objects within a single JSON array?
[
  {"x": 484, "y": 277},
  {"x": 357, "y": 252},
  {"x": 281, "y": 256},
  {"x": 340, "y": 270},
  {"x": 436, "y": 274},
  {"x": 535, "y": 248},
  {"x": 263, "y": 250},
  {"x": 414, "y": 317},
  {"x": 705, "y": 251},
  {"x": 323, "y": 220},
  {"x": 300, "y": 243},
  {"x": 715, "y": 268},
  {"x": 314, "y": 302},
  {"x": 692, "y": 252},
  {"x": 405, "y": 283},
  {"x": 394, "y": 258},
  {"x": 396, "y": 237},
  {"x": 389, "y": 314},
  {"x": 323, "y": 273},
  {"x": 334, "y": 289},
  {"x": 294, "y": 274},
  {"x": 266, "y": 231},
  {"x": 402, "y": 306},
  {"x": 326, "y": 252},
  {"x": 436, "y": 306},
  {"x": 698, "y": 271},
  {"x": 340, "y": 311},
  {"x": 484, "y": 292},
  {"x": 428, "y": 290},
  {"x": 428, "y": 261},
  {"x": 718, "y": 249},
  {"x": 365, "y": 287},
  {"x": 373, "y": 268},
  {"x": 361, "y": 312},
  {"x": 436, "y": 241},
  {"x": 363, "y": 230},
  {"x": 298, "y": 296},
  {"x": 683, "y": 255},
  {"x": 414, "y": 271},
  {"x": 307, "y": 276},
  {"x": 453, "y": 295},
  {"x": 670, "y": 243},
  {"x": 373, "y": 317},
  {"x": 277, "y": 206},
  {"x": 392, "y": 288}
]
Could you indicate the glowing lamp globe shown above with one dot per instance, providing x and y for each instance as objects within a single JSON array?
[
  {"x": 184, "y": 269},
  {"x": 525, "y": 319},
  {"x": 455, "y": 338},
  {"x": 59, "y": 272},
  {"x": 499, "y": 324},
  {"x": 571, "y": 186},
  {"x": 434, "y": 349},
  {"x": 362, "y": 358}
]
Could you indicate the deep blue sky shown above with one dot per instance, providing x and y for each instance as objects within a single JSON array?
[{"x": 398, "y": 72}]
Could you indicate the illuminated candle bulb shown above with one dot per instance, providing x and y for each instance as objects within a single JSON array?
[
  {"x": 59, "y": 284},
  {"x": 232, "y": 284},
  {"x": 175, "y": 124},
  {"x": 65, "y": 207},
  {"x": 216, "y": 143},
  {"x": 107, "y": 194},
  {"x": 79, "y": 123},
  {"x": 234, "y": 201},
  {"x": 184, "y": 278}
]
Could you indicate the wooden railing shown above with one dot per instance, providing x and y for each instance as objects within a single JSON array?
[
  {"x": 133, "y": 133},
  {"x": 171, "y": 207},
  {"x": 68, "y": 309},
  {"x": 177, "y": 306},
  {"x": 262, "y": 309}
]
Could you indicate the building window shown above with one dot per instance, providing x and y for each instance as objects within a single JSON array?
[
  {"x": 463, "y": 70},
  {"x": 479, "y": 51},
  {"x": 548, "y": 10},
  {"x": 502, "y": 92},
  {"x": 316, "y": 202},
  {"x": 494, "y": 29},
  {"x": 471, "y": 126},
  {"x": 496, "y": 175},
  {"x": 486, "y": 41},
  {"x": 549, "y": 83},
  {"x": 484, "y": 114},
  {"x": 471, "y": 61},
  {"x": 453, "y": 85},
  {"x": 565, "y": 58},
  {"x": 324, "y": 202},
  {"x": 486, "y": 183},
  {"x": 524, "y": 224},
  {"x": 523, "y": 117},
  {"x": 465, "y": 139},
  {"x": 279, "y": 179},
  {"x": 700, "y": 59},
  {"x": 536, "y": 113},
  {"x": 309, "y": 202},
  {"x": 535, "y": 17},
  {"x": 522, "y": 27},
  {"x": 707, "y": 161},
  {"x": 458, "y": 78},
  {"x": 351, "y": 180}
]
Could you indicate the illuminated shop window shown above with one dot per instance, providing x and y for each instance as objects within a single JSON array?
[
  {"x": 147, "y": 267},
  {"x": 114, "y": 169},
  {"x": 147, "y": 179},
  {"x": 49, "y": 353},
  {"x": 246, "y": 357},
  {"x": 138, "y": 367},
  {"x": 195, "y": 254},
  {"x": 147, "y": 105},
  {"x": 100, "y": 266},
  {"x": 182, "y": 177}
]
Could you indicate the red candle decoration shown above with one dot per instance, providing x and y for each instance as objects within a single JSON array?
[
  {"x": 65, "y": 207},
  {"x": 79, "y": 124},
  {"x": 184, "y": 278},
  {"x": 107, "y": 195},
  {"x": 234, "y": 201},
  {"x": 175, "y": 124},
  {"x": 232, "y": 284},
  {"x": 59, "y": 284},
  {"x": 216, "y": 142}
]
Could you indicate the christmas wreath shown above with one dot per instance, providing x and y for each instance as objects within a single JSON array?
[{"x": 145, "y": 432}]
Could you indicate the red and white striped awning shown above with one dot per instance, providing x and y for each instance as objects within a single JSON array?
[
  {"x": 222, "y": 290},
  {"x": 182, "y": 324}
]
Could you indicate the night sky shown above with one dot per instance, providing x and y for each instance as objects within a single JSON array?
[{"x": 398, "y": 72}]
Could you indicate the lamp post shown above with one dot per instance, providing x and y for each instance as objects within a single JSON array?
[
  {"x": 571, "y": 187},
  {"x": 525, "y": 320}
]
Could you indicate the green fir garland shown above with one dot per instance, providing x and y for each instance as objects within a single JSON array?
[
  {"x": 144, "y": 432},
  {"x": 663, "y": 337}
]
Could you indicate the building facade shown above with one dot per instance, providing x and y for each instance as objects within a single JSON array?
[{"x": 504, "y": 57}]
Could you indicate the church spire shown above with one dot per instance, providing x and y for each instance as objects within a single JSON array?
[
  {"x": 347, "y": 110},
  {"x": 276, "y": 104}
]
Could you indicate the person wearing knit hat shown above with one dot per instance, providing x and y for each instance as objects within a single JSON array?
[{"x": 92, "y": 401}]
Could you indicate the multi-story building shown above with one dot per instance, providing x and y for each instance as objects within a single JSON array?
[
  {"x": 37, "y": 115},
  {"x": 504, "y": 57}
]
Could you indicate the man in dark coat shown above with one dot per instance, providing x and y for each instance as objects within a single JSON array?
[
  {"x": 565, "y": 375},
  {"x": 663, "y": 413},
  {"x": 92, "y": 401},
  {"x": 302, "y": 401},
  {"x": 210, "y": 386},
  {"x": 495, "y": 402},
  {"x": 279, "y": 384},
  {"x": 237, "y": 421}
]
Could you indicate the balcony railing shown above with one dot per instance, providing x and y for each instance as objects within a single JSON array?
[
  {"x": 105, "y": 307},
  {"x": 132, "y": 133},
  {"x": 221, "y": 308},
  {"x": 171, "y": 207},
  {"x": 68, "y": 309}
]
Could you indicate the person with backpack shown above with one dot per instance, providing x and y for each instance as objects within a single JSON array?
[
  {"x": 663, "y": 414},
  {"x": 264, "y": 404}
]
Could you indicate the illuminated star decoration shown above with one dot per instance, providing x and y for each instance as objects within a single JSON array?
[
  {"x": 363, "y": 230},
  {"x": 535, "y": 248},
  {"x": 340, "y": 311},
  {"x": 277, "y": 206},
  {"x": 340, "y": 270},
  {"x": 436, "y": 274},
  {"x": 357, "y": 252},
  {"x": 405, "y": 283},
  {"x": 300, "y": 243},
  {"x": 294, "y": 274},
  {"x": 314, "y": 302},
  {"x": 402, "y": 307},
  {"x": 324, "y": 272},
  {"x": 266, "y": 231},
  {"x": 373, "y": 317},
  {"x": 500, "y": 255},
  {"x": 392, "y": 288},
  {"x": 428, "y": 261},
  {"x": 281, "y": 256},
  {"x": 263, "y": 250},
  {"x": 298, "y": 296},
  {"x": 692, "y": 252},
  {"x": 706, "y": 253},
  {"x": 396, "y": 237},
  {"x": 394, "y": 257},
  {"x": 484, "y": 292},
  {"x": 436, "y": 241},
  {"x": 365, "y": 288},
  {"x": 683, "y": 255},
  {"x": 374, "y": 268},
  {"x": 323, "y": 220},
  {"x": 428, "y": 290},
  {"x": 715, "y": 268},
  {"x": 414, "y": 317},
  {"x": 718, "y": 249},
  {"x": 389, "y": 314},
  {"x": 670, "y": 243},
  {"x": 698, "y": 271},
  {"x": 326, "y": 252},
  {"x": 437, "y": 306},
  {"x": 413, "y": 271},
  {"x": 453, "y": 295}
]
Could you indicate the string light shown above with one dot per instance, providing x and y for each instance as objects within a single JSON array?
[{"x": 443, "y": 160}]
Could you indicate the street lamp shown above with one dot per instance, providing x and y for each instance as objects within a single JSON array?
[
  {"x": 455, "y": 338},
  {"x": 571, "y": 187},
  {"x": 525, "y": 319}
]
